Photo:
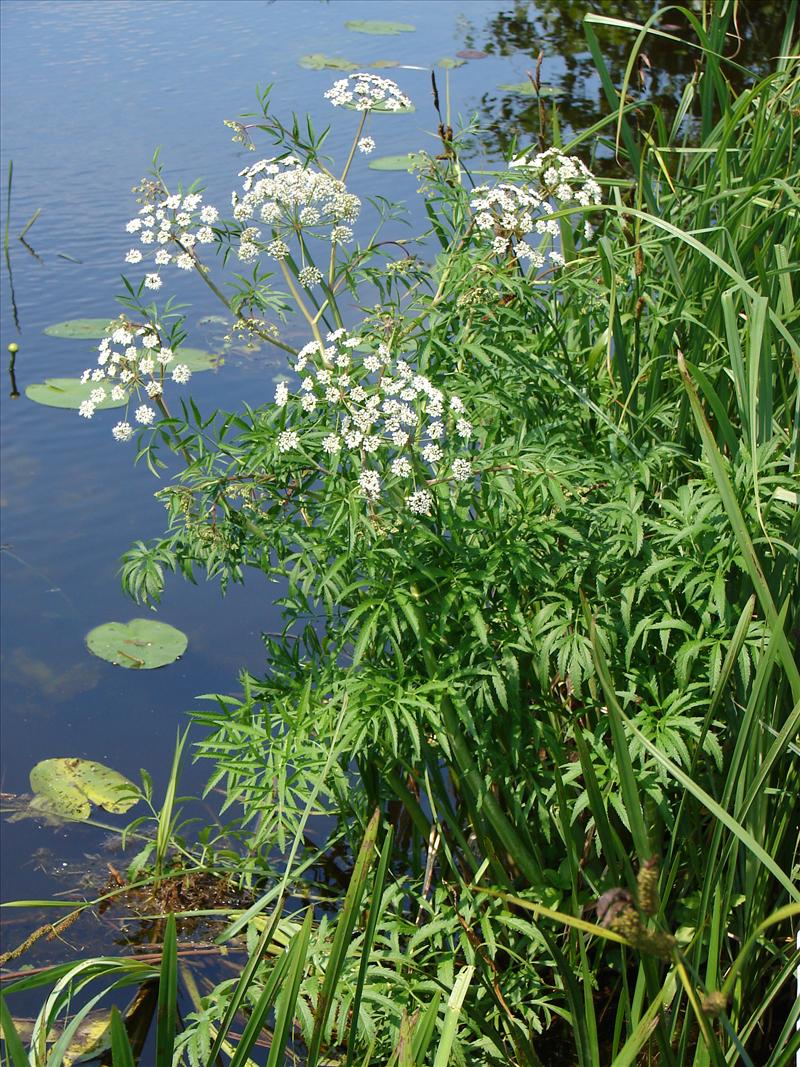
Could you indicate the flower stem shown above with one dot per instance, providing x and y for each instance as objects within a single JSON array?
[
  {"x": 353, "y": 146},
  {"x": 310, "y": 319}
]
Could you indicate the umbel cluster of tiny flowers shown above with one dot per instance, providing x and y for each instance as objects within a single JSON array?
[
  {"x": 169, "y": 230},
  {"x": 380, "y": 422},
  {"x": 289, "y": 197},
  {"x": 367, "y": 92},
  {"x": 135, "y": 361},
  {"x": 507, "y": 213}
]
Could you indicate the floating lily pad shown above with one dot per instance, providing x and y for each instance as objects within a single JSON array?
[
  {"x": 381, "y": 109},
  {"x": 142, "y": 644},
  {"x": 448, "y": 63},
  {"x": 381, "y": 64},
  {"x": 471, "y": 53},
  {"x": 527, "y": 89},
  {"x": 196, "y": 359},
  {"x": 66, "y": 393},
  {"x": 68, "y": 787},
  {"x": 80, "y": 329},
  {"x": 403, "y": 162},
  {"x": 378, "y": 27},
  {"x": 319, "y": 61}
]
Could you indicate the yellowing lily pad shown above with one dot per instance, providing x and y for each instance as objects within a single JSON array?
[
  {"x": 402, "y": 162},
  {"x": 378, "y": 27},
  {"x": 449, "y": 63},
  {"x": 79, "y": 329},
  {"x": 67, "y": 393},
  {"x": 141, "y": 644},
  {"x": 68, "y": 787}
]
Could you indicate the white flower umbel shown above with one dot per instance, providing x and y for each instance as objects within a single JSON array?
[
  {"x": 170, "y": 220},
  {"x": 123, "y": 431},
  {"x": 388, "y": 431},
  {"x": 367, "y": 92},
  {"x": 507, "y": 212},
  {"x": 366, "y": 145},
  {"x": 309, "y": 277},
  {"x": 290, "y": 198},
  {"x": 135, "y": 355},
  {"x": 144, "y": 414}
]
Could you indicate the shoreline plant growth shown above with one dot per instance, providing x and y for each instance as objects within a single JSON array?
[{"x": 531, "y": 493}]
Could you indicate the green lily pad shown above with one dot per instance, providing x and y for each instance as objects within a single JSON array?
[
  {"x": 448, "y": 63},
  {"x": 196, "y": 359},
  {"x": 142, "y": 644},
  {"x": 527, "y": 89},
  {"x": 79, "y": 329},
  {"x": 379, "y": 28},
  {"x": 67, "y": 788},
  {"x": 319, "y": 61},
  {"x": 381, "y": 109},
  {"x": 381, "y": 64},
  {"x": 402, "y": 162},
  {"x": 66, "y": 393}
]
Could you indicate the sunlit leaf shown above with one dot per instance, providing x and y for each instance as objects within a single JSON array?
[
  {"x": 401, "y": 162},
  {"x": 66, "y": 393},
  {"x": 68, "y": 787},
  {"x": 79, "y": 329}
]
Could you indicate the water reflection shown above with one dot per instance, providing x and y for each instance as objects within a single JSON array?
[{"x": 555, "y": 28}]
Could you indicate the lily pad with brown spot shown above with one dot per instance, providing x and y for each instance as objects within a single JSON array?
[
  {"x": 80, "y": 329},
  {"x": 141, "y": 644}
]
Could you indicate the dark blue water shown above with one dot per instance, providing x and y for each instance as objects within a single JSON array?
[{"x": 90, "y": 89}]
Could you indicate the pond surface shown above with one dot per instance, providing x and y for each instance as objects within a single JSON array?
[{"x": 90, "y": 89}]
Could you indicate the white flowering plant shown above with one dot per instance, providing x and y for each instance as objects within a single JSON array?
[
  {"x": 532, "y": 528},
  {"x": 412, "y": 479}
]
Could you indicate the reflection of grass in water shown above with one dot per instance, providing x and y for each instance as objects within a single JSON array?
[{"x": 7, "y": 255}]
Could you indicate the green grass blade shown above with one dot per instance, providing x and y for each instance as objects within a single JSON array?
[
  {"x": 628, "y": 1055},
  {"x": 451, "y": 1016},
  {"x": 716, "y": 810},
  {"x": 736, "y": 519},
  {"x": 296, "y": 956},
  {"x": 344, "y": 929},
  {"x": 628, "y": 786},
  {"x": 121, "y": 1051},
  {"x": 166, "y": 1016},
  {"x": 258, "y": 1015},
  {"x": 425, "y": 1029},
  {"x": 14, "y": 1046},
  {"x": 369, "y": 937},
  {"x": 246, "y": 980}
]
